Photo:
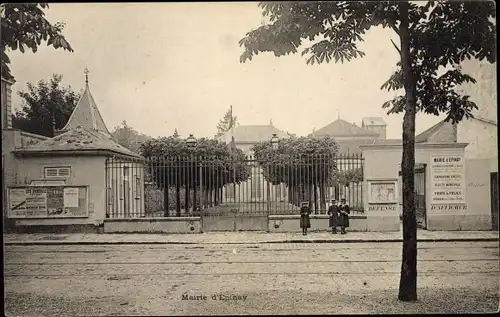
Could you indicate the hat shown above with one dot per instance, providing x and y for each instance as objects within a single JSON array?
[{"x": 304, "y": 203}]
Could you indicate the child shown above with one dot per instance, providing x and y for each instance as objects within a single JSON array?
[
  {"x": 305, "y": 222},
  {"x": 333, "y": 212},
  {"x": 344, "y": 215}
]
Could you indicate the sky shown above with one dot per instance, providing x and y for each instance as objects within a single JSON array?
[{"x": 166, "y": 66}]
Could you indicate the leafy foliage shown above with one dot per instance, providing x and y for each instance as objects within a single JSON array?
[
  {"x": 226, "y": 123},
  {"x": 296, "y": 161},
  {"x": 349, "y": 176},
  {"x": 126, "y": 136},
  {"x": 442, "y": 35},
  {"x": 208, "y": 164},
  {"x": 435, "y": 36},
  {"x": 24, "y": 26},
  {"x": 41, "y": 102}
]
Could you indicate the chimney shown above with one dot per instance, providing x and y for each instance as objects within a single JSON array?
[
  {"x": 6, "y": 103},
  {"x": 375, "y": 124}
]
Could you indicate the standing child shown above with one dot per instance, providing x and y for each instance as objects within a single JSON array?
[
  {"x": 305, "y": 222},
  {"x": 344, "y": 215},
  {"x": 333, "y": 212}
]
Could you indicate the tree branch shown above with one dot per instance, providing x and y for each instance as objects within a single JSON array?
[
  {"x": 394, "y": 27},
  {"x": 395, "y": 46}
]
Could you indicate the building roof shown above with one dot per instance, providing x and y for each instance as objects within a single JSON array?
[
  {"x": 353, "y": 146},
  {"x": 492, "y": 122},
  {"x": 77, "y": 140},
  {"x": 342, "y": 128},
  {"x": 441, "y": 132},
  {"x": 253, "y": 134},
  {"x": 86, "y": 115},
  {"x": 373, "y": 121}
]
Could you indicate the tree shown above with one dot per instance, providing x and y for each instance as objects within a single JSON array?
[
  {"x": 209, "y": 165},
  {"x": 176, "y": 134},
  {"x": 303, "y": 164},
  {"x": 434, "y": 37},
  {"x": 44, "y": 103},
  {"x": 126, "y": 136},
  {"x": 226, "y": 123},
  {"x": 25, "y": 25}
]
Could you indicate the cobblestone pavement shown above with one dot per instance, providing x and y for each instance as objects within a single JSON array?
[
  {"x": 288, "y": 278},
  {"x": 243, "y": 237}
]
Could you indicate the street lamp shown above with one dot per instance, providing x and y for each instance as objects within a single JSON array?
[
  {"x": 191, "y": 140},
  {"x": 274, "y": 141}
]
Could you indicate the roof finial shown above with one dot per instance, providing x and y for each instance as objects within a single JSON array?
[
  {"x": 271, "y": 121},
  {"x": 86, "y": 71},
  {"x": 338, "y": 114}
]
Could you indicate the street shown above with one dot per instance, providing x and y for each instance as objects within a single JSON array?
[{"x": 207, "y": 279}]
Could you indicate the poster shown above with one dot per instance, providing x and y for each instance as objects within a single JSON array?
[
  {"x": 47, "y": 201},
  {"x": 70, "y": 197},
  {"x": 36, "y": 202},
  {"x": 447, "y": 179},
  {"x": 55, "y": 200},
  {"x": 17, "y": 201}
]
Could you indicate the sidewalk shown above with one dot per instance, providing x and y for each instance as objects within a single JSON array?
[{"x": 243, "y": 238}]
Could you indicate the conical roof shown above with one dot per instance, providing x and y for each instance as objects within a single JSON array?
[
  {"x": 86, "y": 115},
  {"x": 77, "y": 140}
]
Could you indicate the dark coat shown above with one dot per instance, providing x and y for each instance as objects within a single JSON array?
[
  {"x": 305, "y": 222},
  {"x": 333, "y": 212},
  {"x": 344, "y": 218}
]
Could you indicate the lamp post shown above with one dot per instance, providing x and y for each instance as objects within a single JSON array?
[
  {"x": 191, "y": 142},
  {"x": 274, "y": 143}
]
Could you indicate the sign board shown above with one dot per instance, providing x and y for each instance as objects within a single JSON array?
[
  {"x": 447, "y": 179},
  {"x": 381, "y": 207},
  {"x": 459, "y": 207},
  {"x": 47, "y": 201},
  {"x": 382, "y": 192}
]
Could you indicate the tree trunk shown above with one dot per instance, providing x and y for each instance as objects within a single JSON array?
[
  {"x": 186, "y": 200},
  {"x": 408, "y": 281},
  {"x": 322, "y": 196},
  {"x": 195, "y": 200},
  {"x": 268, "y": 193},
  {"x": 165, "y": 201},
  {"x": 315, "y": 188},
  {"x": 209, "y": 196},
  {"x": 177, "y": 198}
]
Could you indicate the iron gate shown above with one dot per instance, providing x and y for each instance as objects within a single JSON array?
[{"x": 230, "y": 195}]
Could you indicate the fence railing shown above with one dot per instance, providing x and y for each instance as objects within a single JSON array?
[{"x": 188, "y": 186}]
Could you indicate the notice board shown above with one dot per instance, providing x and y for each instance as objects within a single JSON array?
[
  {"x": 47, "y": 201},
  {"x": 447, "y": 179}
]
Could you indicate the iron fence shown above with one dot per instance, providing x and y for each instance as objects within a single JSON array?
[{"x": 194, "y": 186}]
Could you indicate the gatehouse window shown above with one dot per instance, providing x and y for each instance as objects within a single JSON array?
[{"x": 59, "y": 171}]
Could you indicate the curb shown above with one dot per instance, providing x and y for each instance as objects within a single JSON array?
[{"x": 58, "y": 242}]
